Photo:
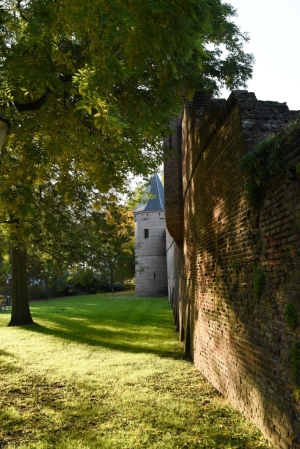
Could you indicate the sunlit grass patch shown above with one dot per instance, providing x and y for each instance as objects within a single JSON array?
[{"x": 107, "y": 371}]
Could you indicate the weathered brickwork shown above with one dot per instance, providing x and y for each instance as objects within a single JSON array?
[
  {"x": 236, "y": 279},
  {"x": 173, "y": 183}
]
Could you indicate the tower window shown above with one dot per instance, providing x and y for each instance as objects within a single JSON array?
[{"x": 146, "y": 233}]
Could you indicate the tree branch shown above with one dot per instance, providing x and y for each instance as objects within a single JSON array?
[
  {"x": 37, "y": 104},
  {"x": 11, "y": 220},
  {"x": 34, "y": 105},
  {"x": 21, "y": 12}
]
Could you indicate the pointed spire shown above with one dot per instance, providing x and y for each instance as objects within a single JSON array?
[{"x": 156, "y": 200}]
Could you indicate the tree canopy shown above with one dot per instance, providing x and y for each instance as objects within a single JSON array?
[
  {"x": 105, "y": 78},
  {"x": 90, "y": 89}
]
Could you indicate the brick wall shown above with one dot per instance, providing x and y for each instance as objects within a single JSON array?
[
  {"x": 237, "y": 271},
  {"x": 173, "y": 183}
]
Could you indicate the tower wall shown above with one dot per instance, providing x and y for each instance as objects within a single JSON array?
[{"x": 151, "y": 267}]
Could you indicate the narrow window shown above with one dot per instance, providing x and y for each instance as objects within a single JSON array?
[{"x": 146, "y": 233}]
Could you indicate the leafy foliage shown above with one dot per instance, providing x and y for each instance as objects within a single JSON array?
[
  {"x": 258, "y": 281},
  {"x": 291, "y": 316},
  {"x": 266, "y": 162},
  {"x": 104, "y": 81},
  {"x": 115, "y": 232},
  {"x": 295, "y": 362},
  {"x": 90, "y": 90},
  {"x": 260, "y": 166}
]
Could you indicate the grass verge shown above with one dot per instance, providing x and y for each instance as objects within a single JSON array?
[{"x": 107, "y": 371}]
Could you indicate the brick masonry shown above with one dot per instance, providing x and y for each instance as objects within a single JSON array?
[{"x": 233, "y": 272}]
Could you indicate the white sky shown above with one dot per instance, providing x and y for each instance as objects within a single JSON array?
[{"x": 274, "y": 30}]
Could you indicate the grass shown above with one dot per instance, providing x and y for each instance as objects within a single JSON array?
[{"x": 107, "y": 371}]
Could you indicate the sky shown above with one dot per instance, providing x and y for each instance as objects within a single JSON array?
[{"x": 274, "y": 30}]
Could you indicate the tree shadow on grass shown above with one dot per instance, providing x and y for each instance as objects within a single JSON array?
[
  {"x": 130, "y": 325},
  {"x": 7, "y": 364},
  {"x": 124, "y": 337},
  {"x": 5, "y": 353},
  {"x": 73, "y": 416}
]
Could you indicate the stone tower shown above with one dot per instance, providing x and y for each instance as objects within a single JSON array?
[{"x": 150, "y": 243}]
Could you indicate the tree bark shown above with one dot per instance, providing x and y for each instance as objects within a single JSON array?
[
  {"x": 112, "y": 281},
  {"x": 20, "y": 305}
]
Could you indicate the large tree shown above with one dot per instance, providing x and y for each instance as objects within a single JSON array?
[
  {"x": 90, "y": 88},
  {"x": 51, "y": 220},
  {"x": 121, "y": 66}
]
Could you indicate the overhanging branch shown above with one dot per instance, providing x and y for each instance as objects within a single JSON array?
[
  {"x": 37, "y": 104},
  {"x": 21, "y": 12},
  {"x": 34, "y": 105}
]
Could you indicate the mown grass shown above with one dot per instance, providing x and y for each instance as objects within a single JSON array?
[{"x": 108, "y": 372}]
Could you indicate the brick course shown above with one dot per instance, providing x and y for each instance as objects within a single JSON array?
[{"x": 232, "y": 271}]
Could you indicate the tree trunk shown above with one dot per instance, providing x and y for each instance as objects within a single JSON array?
[
  {"x": 20, "y": 305},
  {"x": 112, "y": 281}
]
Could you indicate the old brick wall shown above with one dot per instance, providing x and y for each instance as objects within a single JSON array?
[
  {"x": 173, "y": 183},
  {"x": 237, "y": 277}
]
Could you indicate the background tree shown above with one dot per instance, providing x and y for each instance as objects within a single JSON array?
[
  {"x": 112, "y": 250},
  {"x": 90, "y": 89}
]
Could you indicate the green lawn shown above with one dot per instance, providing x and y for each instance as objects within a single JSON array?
[{"x": 106, "y": 371}]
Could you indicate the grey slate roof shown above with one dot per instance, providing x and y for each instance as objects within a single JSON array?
[{"x": 156, "y": 201}]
